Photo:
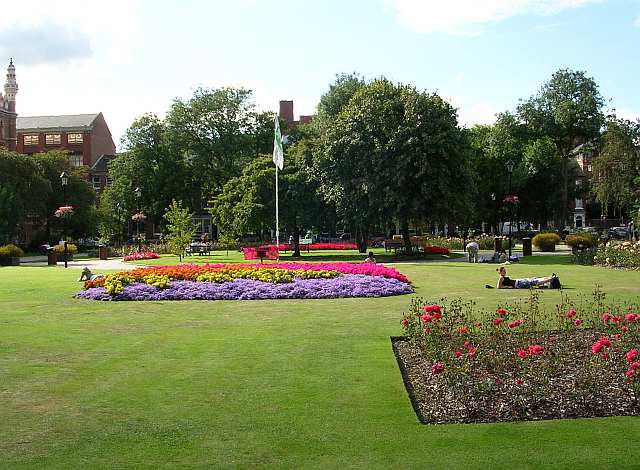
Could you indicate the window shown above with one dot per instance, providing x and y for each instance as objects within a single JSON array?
[
  {"x": 96, "y": 183},
  {"x": 52, "y": 139},
  {"x": 31, "y": 140},
  {"x": 75, "y": 160},
  {"x": 74, "y": 138},
  {"x": 108, "y": 183}
]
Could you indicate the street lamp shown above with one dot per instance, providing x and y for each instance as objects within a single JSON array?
[
  {"x": 510, "y": 166},
  {"x": 138, "y": 193},
  {"x": 64, "y": 179}
]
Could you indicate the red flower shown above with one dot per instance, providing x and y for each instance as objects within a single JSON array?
[
  {"x": 426, "y": 318},
  {"x": 616, "y": 319},
  {"x": 522, "y": 353},
  {"x": 467, "y": 344},
  {"x": 472, "y": 351},
  {"x": 597, "y": 347},
  {"x": 519, "y": 381},
  {"x": 502, "y": 312},
  {"x": 606, "y": 317},
  {"x": 535, "y": 349},
  {"x": 571, "y": 313},
  {"x": 630, "y": 373},
  {"x": 635, "y": 365},
  {"x": 437, "y": 315},
  {"x": 631, "y": 317},
  {"x": 497, "y": 321},
  {"x": 458, "y": 354},
  {"x": 515, "y": 324},
  {"x": 632, "y": 355},
  {"x": 437, "y": 368},
  {"x": 432, "y": 308},
  {"x": 464, "y": 330},
  {"x": 405, "y": 322},
  {"x": 577, "y": 322},
  {"x": 605, "y": 341}
]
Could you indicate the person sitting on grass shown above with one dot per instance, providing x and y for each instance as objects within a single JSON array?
[
  {"x": 504, "y": 282},
  {"x": 370, "y": 258}
]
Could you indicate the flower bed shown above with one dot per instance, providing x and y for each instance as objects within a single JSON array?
[
  {"x": 512, "y": 364},
  {"x": 141, "y": 255},
  {"x": 436, "y": 250},
  {"x": 249, "y": 282},
  {"x": 619, "y": 254}
]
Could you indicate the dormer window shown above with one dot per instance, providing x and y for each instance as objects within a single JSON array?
[{"x": 52, "y": 139}]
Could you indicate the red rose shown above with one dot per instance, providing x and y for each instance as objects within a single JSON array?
[
  {"x": 605, "y": 341},
  {"x": 635, "y": 365},
  {"x": 606, "y": 317},
  {"x": 458, "y": 354},
  {"x": 437, "y": 315},
  {"x": 405, "y": 322},
  {"x": 632, "y": 355},
  {"x": 630, "y": 373},
  {"x": 596, "y": 347},
  {"x": 501, "y": 311},
  {"x": 515, "y": 324},
  {"x": 522, "y": 353},
  {"x": 577, "y": 322},
  {"x": 571, "y": 313},
  {"x": 631, "y": 317},
  {"x": 535, "y": 349},
  {"x": 497, "y": 321},
  {"x": 426, "y": 318}
]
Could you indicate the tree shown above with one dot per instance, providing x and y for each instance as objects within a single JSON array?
[
  {"x": 568, "y": 110},
  {"x": 395, "y": 152},
  {"x": 179, "y": 227},
  {"x": 617, "y": 165}
]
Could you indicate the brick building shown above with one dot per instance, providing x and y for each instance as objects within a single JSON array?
[
  {"x": 286, "y": 114},
  {"x": 85, "y": 136},
  {"x": 8, "y": 109}
]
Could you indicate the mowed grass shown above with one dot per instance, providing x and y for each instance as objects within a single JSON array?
[{"x": 261, "y": 384}]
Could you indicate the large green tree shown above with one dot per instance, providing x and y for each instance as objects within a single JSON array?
[
  {"x": 567, "y": 110},
  {"x": 395, "y": 152}
]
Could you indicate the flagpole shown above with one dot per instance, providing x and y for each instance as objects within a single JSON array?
[{"x": 277, "y": 217}]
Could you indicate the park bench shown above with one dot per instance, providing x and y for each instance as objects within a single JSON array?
[{"x": 199, "y": 249}]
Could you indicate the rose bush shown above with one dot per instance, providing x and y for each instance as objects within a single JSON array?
[
  {"x": 141, "y": 255},
  {"x": 619, "y": 254}
]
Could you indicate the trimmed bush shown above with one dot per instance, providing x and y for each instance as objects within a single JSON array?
[
  {"x": 581, "y": 241},
  {"x": 10, "y": 251},
  {"x": 71, "y": 249},
  {"x": 546, "y": 241}
]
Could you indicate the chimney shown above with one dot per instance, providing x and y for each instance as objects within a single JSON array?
[{"x": 286, "y": 111}]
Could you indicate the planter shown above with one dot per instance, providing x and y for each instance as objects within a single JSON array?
[
  {"x": 52, "y": 258},
  {"x": 9, "y": 261},
  {"x": 104, "y": 252}
]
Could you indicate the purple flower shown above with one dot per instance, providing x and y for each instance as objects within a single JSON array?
[{"x": 350, "y": 285}]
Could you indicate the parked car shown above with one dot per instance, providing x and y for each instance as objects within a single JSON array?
[{"x": 619, "y": 233}]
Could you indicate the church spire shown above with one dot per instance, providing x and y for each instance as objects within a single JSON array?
[{"x": 11, "y": 86}]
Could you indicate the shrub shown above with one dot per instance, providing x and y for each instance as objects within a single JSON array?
[
  {"x": 71, "y": 249},
  {"x": 581, "y": 241},
  {"x": 546, "y": 241},
  {"x": 10, "y": 251}
]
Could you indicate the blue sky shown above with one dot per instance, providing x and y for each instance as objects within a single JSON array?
[{"x": 125, "y": 58}]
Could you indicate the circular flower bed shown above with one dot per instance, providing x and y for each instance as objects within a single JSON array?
[{"x": 249, "y": 282}]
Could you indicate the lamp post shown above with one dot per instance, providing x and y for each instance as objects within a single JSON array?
[
  {"x": 118, "y": 224},
  {"x": 494, "y": 210},
  {"x": 510, "y": 166},
  {"x": 64, "y": 179},
  {"x": 138, "y": 193}
]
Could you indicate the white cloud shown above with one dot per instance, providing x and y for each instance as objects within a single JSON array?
[
  {"x": 471, "y": 113},
  {"x": 468, "y": 17}
]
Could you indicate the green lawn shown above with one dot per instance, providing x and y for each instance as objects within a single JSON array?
[{"x": 285, "y": 384}]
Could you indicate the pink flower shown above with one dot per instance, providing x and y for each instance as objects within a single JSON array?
[
  {"x": 437, "y": 315},
  {"x": 426, "y": 318},
  {"x": 405, "y": 323},
  {"x": 571, "y": 313},
  {"x": 606, "y": 317},
  {"x": 605, "y": 341},
  {"x": 522, "y": 353},
  {"x": 597, "y": 347},
  {"x": 498, "y": 320},
  {"x": 635, "y": 365},
  {"x": 519, "y": 381},
  {"x": 632, "y": 355},
  {"x": 437, "y": 368},
  {"x": 535, "y": 349},
  {"x": 630, "y": 373},
  {"x": 458, "y": 354},
  {"x": 515, "y": 324},
  {"x": 502, "y": 312},
  {"x": 616, "y": 319},
  {"x": 577, "y": 322},
  {"x": 630, "y": 317}
]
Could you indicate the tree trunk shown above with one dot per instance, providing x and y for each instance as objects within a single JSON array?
[
  {"x": 404, "y": 230},
  {"x": 296, "y": 238},
  {"x": 361, "y": 239},
  {"x": 564, "y": 191}
]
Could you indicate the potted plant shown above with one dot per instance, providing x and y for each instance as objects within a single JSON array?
[{"x": 10, "y": 255}]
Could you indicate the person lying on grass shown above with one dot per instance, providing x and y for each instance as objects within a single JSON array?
[{"x": 504, "y": 282}]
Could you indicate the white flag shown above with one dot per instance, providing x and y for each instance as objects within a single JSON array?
[{"x": 278, "y": 154}]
